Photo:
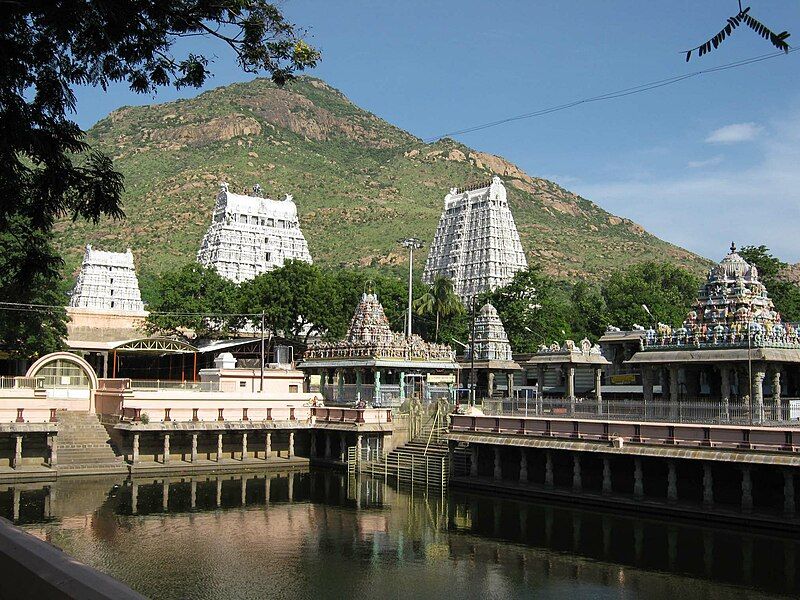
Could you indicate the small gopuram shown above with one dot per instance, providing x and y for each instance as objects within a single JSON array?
[
  {"x": 250, "y": 235},
  {"x": 376, "y": 365},
  {"x": 492, "y": 355},
  {"x": 732, "y": 348},
  {"x": 107, "y": 281},
  {"x": 476, "y": 244},
  {"x": 564, "y": 361}
]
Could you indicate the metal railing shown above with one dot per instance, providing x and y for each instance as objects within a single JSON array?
[
  {"x": 684, "y": 411},
  {"x": 14, "y": 383},
  {"x": 405, "y": 466},
  {"x": 169, "y": 384}
]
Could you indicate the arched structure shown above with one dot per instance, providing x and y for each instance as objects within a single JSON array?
[{"x": 64, "y": 369}]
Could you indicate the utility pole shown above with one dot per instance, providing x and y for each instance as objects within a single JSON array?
[
  {"x": 472, "y": 381},
  {"x": 410, "y": 243},
  {"x": 261, "y": 388}
]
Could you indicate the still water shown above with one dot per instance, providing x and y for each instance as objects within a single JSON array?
[{"x": 322, "y": 534}]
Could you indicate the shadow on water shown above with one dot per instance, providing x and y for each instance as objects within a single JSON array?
[{"x": 323, "y": 534}]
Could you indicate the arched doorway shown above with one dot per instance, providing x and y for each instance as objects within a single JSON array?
[{"x": 66, "y": 377}]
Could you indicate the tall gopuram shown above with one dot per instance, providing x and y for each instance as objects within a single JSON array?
[
  {"x": 476, "y": 244},
  {"x": 107, "y": 281},
  {"x": 250, "y": 235}
]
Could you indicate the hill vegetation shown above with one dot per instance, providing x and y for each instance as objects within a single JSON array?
[{"x": 359, "y": 182}]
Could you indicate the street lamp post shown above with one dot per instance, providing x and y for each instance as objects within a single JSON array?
[{"x": 412, "y": 244}]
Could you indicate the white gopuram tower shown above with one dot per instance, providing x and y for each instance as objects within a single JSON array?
[
  {"x": 107, "y": 281},
  {"x": 250, "y": 235},
  {"x": 476, "y": 244}
]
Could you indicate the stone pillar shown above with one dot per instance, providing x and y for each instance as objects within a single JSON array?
[
  {"x": 747, "y": 489},
  {"x": 268, "y": 446},
  {"x": 673, "y": 384},
  {"x": 548, "y": 468},
  {"x": 17, "y": 462},
  {"x": 340, "y": 385},
  {"x": 244, "y": 446},
  {"x": 194, "y": 447},
  {"x": 327, "y": 444},
  {"x": 359, "y": 440},
  {"x": 402, "y": 385},
  {"x": 647, "y": 383},
  {"x": 498, "y": 469},
  {"x": 672, "y": 482},
  {"x": 708, "y": 485},
  {"x": 577, "y": 483},
  {"x": 359, "y": 378},
  {"x": 570, "y": 387},
  {"x": 539, "y": 388},
  {"x": 725, "y": 390},
  {"x": 776, "y": 394},
  {"x": 291, "y": 444},
  {"x": 489, "y": 384},
  {"x": 510, "y": 384},
  {"x": 166, "y": 448},
  {"x": 17, "y": 497},
  {"x": 267, "y": 488},
  {"x": 523, "y": 465},
  {"x": 291, "y": 486},
  {"x": 135, "y": 451},
  {"x": 758, "y": 394},
  {"x": 312, "y": 450},
  {"x": 377, "y": 390},
  {"x": 598, "y": 392},
  {"x": 219, "y": 447},
  {"x": 219, "y": 491},
  {"x": 606, "y": 475},
  {"x": 134, "y": 497},
  {"x": 164, "y": 494},
  {"x": 193, "y": 494},
  {"x": 52, "y": 442},
  {"x": 244, "y": 491},
  {"x": 788, "y": 492},
  {"x": 473, "y": 461},
  {"x": 638, "y": 484},
  {"x": 342, "y": 448}
]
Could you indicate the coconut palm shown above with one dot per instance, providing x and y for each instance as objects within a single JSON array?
[{"x": 439, "y": 300}]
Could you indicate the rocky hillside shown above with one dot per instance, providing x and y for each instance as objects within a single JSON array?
[{"x": 359, "y": 182}]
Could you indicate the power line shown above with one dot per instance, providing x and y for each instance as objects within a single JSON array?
[
  {"x": 23, "y": 307},
  {"x": 638, "y": 89}
]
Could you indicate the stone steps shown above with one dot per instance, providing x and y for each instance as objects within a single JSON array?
[{"x": 84, "y": 444}]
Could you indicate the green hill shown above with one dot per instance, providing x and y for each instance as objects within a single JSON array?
[{"x": 359, "y": 182}]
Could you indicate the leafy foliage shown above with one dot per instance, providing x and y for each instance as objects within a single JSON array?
[
  {"x": 439, "y": 300},
  {"x": 47, "y": 168},
  {"x": 668, "y": 291},
  {"x": 785, "y": 294},
  {"x": 778, "y": 40}
]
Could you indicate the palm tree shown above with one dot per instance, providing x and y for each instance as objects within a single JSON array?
[{"x": 440, "y": 299}]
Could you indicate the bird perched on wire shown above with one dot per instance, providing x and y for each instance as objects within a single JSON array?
[{"x": 778, "y": 39}]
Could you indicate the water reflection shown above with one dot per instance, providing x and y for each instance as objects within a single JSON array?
[{"x": 324, "y": 534}]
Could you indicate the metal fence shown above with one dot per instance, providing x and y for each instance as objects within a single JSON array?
[
  {"x": 168, "y": 384},
  {"x": 684, "y": 411},
  {"x": 13, "y": 383}
]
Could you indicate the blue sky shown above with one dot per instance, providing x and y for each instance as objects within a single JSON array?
[{"x": 701, "y": 163}]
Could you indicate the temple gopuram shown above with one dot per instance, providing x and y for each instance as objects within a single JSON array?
[
  {"x": 732, "y": 346},
  {"x": 374, "y": 364},
  {"x": 492, "y": 355}
]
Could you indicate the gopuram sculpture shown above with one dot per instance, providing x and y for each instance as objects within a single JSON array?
[
  {"x": 107, "y": 281},
  {"x": 250, "y": 235},
  {"x": 476, "y": 244}
]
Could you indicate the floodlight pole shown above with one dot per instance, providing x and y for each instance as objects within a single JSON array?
[
  {"x": 261, "y": 388},
  {"x": 411, "y": 244}
]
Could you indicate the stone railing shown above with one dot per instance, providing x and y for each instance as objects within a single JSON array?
[
  {"x": 207, "y": 412},
  {"x": 685, "y": 435},
  {"x": 352, "y": 415}
]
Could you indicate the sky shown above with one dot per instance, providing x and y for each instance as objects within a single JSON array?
[{"x": 707, "y": 161}]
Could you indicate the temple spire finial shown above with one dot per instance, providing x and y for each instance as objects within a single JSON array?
[{"x": 733, "y": 247}]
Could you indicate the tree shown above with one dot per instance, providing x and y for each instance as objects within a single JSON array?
[
  {"x": 47, "y": 170},
  {"x": 199, "y": 300},
  {"x": 668, "y": 291},
  {"x": 534, "y": 309},
  {"x": 439, "y": 300},
  {"x": 297, "y": 300},
  {"x": 589, "y": 316},
  {"x": 785, "y": 294}
]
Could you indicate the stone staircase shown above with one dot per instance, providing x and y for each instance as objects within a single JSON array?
[{"x": 84, "y": 445}]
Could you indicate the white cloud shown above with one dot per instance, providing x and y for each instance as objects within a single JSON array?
[
  {"x": 705, "y": 211},
  {"x": 709, "y": 162},
  {"x": 736, "y": 132}
]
